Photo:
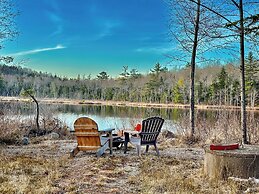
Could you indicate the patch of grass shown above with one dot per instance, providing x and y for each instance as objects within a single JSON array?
[
  {"x": 223, "y": 127},
  {"x": 171, "y": 175},
  {"x": 24, "y": 174},
  {"x": 11, "y": 130}
]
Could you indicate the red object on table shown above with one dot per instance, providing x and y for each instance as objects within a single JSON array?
[
  {"x": 224, "y": 147},
  {"x": 138, "y": 127}
]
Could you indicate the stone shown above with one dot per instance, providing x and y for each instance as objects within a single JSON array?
[
  {"x": 25, "y": 141},
  {"x": 53, "y": 135},
  {"x": 168, "y": 134}
]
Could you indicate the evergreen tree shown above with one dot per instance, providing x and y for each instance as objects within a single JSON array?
[
  {"x": 1, "y": 85},
  {"x": 158, "y": 69},
  {"x": 178, "y": 92},
  {"x": 134, "y": 74},
  {"x": 102, "y": 76},
  {"x": 125, "y": 74}
]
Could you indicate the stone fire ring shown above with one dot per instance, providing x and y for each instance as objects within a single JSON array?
[{"x": 241, "y": 163}]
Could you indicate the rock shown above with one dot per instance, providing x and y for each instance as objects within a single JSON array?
[
  {"x": 25, "y": 141},
  {"x": 53, "y": 135},
  {"x": 168, "y": 134}
]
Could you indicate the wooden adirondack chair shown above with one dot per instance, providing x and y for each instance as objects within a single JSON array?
[
  {"x": 150, "y": 130},
  {"x": 88, "y": 137}
]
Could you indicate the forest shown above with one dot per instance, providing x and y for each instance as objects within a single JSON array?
[{"x": 216, "y": 84}]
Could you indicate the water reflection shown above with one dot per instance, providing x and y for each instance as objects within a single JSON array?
[
  {"x": 120, "y": 117},
  {"x": 112, "y": 116}
]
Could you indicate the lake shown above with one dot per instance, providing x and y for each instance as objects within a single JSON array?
[{"x": 118, "y": 117}]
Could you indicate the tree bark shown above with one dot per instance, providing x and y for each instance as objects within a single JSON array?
[
  {"x": 37, "y": 111},
  {"x": 242, "y": 68},
  {"x": 192, "y": 71}
]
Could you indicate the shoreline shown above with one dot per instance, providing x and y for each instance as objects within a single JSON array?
[{"x": 120, "y": 103}]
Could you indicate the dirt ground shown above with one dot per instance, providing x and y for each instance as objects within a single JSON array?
[
  {"x": 87, "y": 174},
  {"x": 45, "y": 167}
]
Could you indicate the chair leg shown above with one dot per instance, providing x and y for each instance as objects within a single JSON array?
[
  {"x": 74, "y": 152},
  {"x": 138, "y": 150},
  {"x": 102, "y": 149},
  {"x": 147, "y": 146},
  {"x": 126, "y": 142},
  {"x": 156, "y": 149}
]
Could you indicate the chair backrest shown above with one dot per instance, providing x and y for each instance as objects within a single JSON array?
[
  {"x": 86, "y": 131},
  {"x": 151, "y": 128}
]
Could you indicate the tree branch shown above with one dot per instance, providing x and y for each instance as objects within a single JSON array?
[
  {"x": 213, "y": 11},
  {"x": 235, "y": 3}
]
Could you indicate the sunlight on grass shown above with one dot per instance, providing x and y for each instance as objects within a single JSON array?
[
  {"x": 170, "y": 175},
  {"x": 24, "y": 174}
]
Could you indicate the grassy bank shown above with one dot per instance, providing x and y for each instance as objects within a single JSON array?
[{"x": 120, "y": 103}]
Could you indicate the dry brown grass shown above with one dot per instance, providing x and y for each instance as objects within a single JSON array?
[
  {"x": 225, "y": 128},
  {"x": 171, "y": 175},
  {"x": 25, "y": 174},
  {"x": 13, "y": 129},
  {"x": 49, "y": 170}
]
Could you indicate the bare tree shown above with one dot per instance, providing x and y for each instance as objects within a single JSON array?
[
  {"x": 237, "y": 25},
  {"x": 7, "y": 26},
  {"x": 192, "y": 72},
  {"x": 30, "y": 93},
  {"x": 193, "y": 29}
]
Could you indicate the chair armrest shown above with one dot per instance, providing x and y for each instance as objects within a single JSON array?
[
  {"x": 106, "y": 130},
  {"x": 148, "y": 133},
  {"x": 132, "y": 132}
]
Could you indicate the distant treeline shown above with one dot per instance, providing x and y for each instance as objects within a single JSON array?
[{"x": 215, "y": 84}]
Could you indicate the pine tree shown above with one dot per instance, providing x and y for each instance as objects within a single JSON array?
[{"x": 103, "y": 76}]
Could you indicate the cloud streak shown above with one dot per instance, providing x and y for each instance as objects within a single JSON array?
[
  {"x": 35, "y": 51},
  {"x": 156, "y": 50},
  {"x": 108, "y": 27},
  {"x": 54, "y": 15}
]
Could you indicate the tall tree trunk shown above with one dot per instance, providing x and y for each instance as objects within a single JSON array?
[
  {"x": 254, "y": 94},
  {"x": 192, "y": 72},
  {"x": 242, "y": 68}
]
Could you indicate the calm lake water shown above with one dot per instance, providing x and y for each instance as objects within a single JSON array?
[{"x": 116, "y": 117}]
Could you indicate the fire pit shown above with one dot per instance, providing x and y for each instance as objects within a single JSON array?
[{"x": 242, "y": 162}]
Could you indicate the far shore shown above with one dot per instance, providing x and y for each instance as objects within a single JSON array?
[{"x": 120, "y": 103}]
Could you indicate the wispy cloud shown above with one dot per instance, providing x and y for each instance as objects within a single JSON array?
[
  {"x": 156, "y": 50},
  {"x": 107, "y": 28},
  {"x": 54, "y": 15},
  {"x": 35, "y": 51},
  {"x": 58, "y": 30},
  {"x": 57, "y": 21}
]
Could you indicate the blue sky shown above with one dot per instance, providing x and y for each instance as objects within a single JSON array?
[{"x": 71, "y": 37}]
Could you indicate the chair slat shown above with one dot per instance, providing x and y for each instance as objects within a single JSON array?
[
  {"x": 86, "y": 148},
  {"x": 151, "y": 128},
  {"x": 86, "y": 125},
  {"x": 87, "y": 134}
]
